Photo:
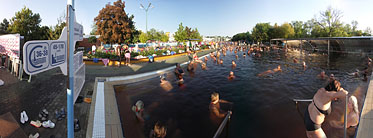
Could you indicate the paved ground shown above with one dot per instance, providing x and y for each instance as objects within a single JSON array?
[{"x": 48, "y": 90}]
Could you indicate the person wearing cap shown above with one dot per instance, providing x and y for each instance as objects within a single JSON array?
[{"x": 138, "y": 108}]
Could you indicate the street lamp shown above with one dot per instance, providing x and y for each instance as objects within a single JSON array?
[{"x": 146, "y": 11}]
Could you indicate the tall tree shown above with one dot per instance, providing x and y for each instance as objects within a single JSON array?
[
  {"x": 180, "y": 34},
  {"x": 143, "y": 37},
  {"x": 27, "y": 24},
  {"x": 260, "y": 32},
  {"x": 55, "y": 31},
  {"x": 367, "y": 32},
  {"x": 113, "y": 24},
  {"x": 4, "y": 26},
  {"x": 329, "y": 20},
  {"x": 94, "y": 29}
]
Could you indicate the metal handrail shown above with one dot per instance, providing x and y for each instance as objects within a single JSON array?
[{"x": 222, "y": 125}]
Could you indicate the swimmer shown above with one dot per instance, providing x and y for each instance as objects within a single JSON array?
[
  {"x": 322, "y": 75},
  {"x": 277, "y": 69},
  {"x": 320, "y": 107},
  {"x": 234, "y": 64},
  {"x": 214, "y": 106},
  {"x": 138, "y": 108},
  {"x": 352, "y": 116},
  {"x": 203, "y": 66},
  {"x": 206, "y": 59},
  {"x": 166, "y": 85},
  {"x": 356, "y": 74},
  {"x": 159, "y": 131},
  {"x": 178, "y": 70},
  {"x": 244, "y": 55},
  {"x": 236, "y": 56},
  {"x": 304, "y": 65},
  {"x": 221, "y": 61},
  {"x": 190, "y": 67},
  {"x": 231, "y": 76}
]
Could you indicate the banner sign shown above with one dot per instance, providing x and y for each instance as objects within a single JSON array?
[{"x": 10, "y": 44}]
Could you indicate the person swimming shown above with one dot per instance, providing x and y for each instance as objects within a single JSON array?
[
  {"x": 244, "y": 55},
  {"x": 221, "y": 61},
  {"x": 277, "y": 69},
  {"x": 234, "y": 64},
  {"x": 236, "y": 56},
  {"x": 166, "y": 85},
  {"x": 231, "y": 76},
  {"x": 304, "y": 65},
  {"x": 206, "y": 59},
  {"x": 159, "y": 131},
  {"x": 178, "y": 70},
  {"x": 320, "y": 107},
  {"x": 214, "y": 106},
  {"x": 322, "y": 75},
  {"x": 352, "y": 115},
  {"x": 203, "y": 66}
]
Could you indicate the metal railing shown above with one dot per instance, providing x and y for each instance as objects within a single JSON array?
[{"x": 223, "y": 124}]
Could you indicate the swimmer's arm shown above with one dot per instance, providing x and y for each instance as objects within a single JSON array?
[
  {"x": 224, "y": 101},
  {"x": 217, "y": 113},
  {"x": 341, "y": 94}
]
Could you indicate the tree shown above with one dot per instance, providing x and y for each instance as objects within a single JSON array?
[
  {"x": 92, "y": 39},
  {"x": 94, "y": 29},
  {"x": 143, "y": 37},
  {"x": 286, "y": 31},
  {"x": 242, "y": 37},
  {"x": 4, "y": 26},
  {"x": 367, "y": 32},
  {"x": 180, "y": 34},
  {"x": 300, "y": 29},
  {"x": 27, "y": 24},
  {"x": 113, "y": 24},
  {"x": 135, "y": 33},
  {"x": 329, "y": 20},
  {"x": 260, "y": 32},
  {"x": 55, "y": 31}
]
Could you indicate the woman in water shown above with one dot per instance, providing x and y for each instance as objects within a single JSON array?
[
  {"x": 233, "y": 64},
  {"x": 278, "y": 69},
  {"x": 320, "y": 107},
  {"x": 352, "y": 116},
  {"x": 231, "y": 76}
]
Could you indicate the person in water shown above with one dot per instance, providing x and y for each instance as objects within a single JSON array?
[
  {"x": 352, "y": 115},
  {"x": 166, "y": 85},
  {"x": 320, "y": 107},
  {"x": 214, "y": 107},
  {"x": 138, "y": 108},
  {"x": 206, "y": 59},
  {"x": 231, "y": 76},
  {"x": 278, "y": 69},
  {"x": 322, "y": 75},
  {"x": 178, "y": 70},
  {"x": 159, "y": 131},
  {"x": 221, "y": 61},
  {"x": 233, "y": 64},
  {"x": 190, "y": 67},
  {"x": 244, "y": 55},
  {"x": 304, "y": 65},
  {"x": 203, "y": 66}
]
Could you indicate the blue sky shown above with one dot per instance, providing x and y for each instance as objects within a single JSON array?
[{"x": 211, "y": 17}]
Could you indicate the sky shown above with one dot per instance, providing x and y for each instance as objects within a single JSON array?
[{"x": 210, "y": 17}]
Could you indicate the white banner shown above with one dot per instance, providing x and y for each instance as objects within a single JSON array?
[
  {"x": 9, "y": 44},
  {"x": 79, "y": 80}
]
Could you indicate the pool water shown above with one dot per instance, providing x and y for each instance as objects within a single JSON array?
[{"x": 263, "y": 106}]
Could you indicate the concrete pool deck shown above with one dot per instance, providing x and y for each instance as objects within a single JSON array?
[
  {"x": 366, "y": 118},
  {"x": 104, "y": 119}
]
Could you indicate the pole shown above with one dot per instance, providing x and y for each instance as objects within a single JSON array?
[
  {"x": 345, "y": 119},
  {"x": 70, "y": 68},
  {"x": 146, "y": 12}
]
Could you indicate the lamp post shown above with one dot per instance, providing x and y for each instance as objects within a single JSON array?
[{"x": 146, "y": 11}]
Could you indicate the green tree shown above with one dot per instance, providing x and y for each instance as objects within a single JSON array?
[
  {"x": 113, "y": 24},
  {"x": 55, "y": 31},
  {"x": 329, "y": 20},
  {"x": 260, "y": 32},
  {"x": 286, "y": 31},
  {"x": 143, "y": 37},
  {"x": 180, "y": 34},
  {"x": 135, "y": 33},
  {"x": 92, "y": 39},
  {"x": 367, "y": 32},
  {"x": 300, "y": 29},
  {"x": 27, "y": 24},
  {"x": 4, "y": 26},
  {"x": 242, "y": 37},
  {"x": 94, "y": 29}
]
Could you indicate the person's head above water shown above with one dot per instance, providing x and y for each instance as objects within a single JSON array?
[
  {"x": 177, "y": 65},
  {"x": 333, "y": 86},
  {"x": 234, "y": 63},
  {"x": 214, "y": 98},
  {"x": 231, "y": 74}
]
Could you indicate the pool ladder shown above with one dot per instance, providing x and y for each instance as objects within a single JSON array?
[{"x": 223, "y": 124}]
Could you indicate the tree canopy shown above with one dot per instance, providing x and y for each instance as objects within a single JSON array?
[
  {"x": 327, "y": 24},
  {"x": 154, "y": 35},
  {"x": 184, "y": 33},
  {"x": 27, "y": 24},
  {"x": 4, "y": 26},
  {"x": 113, "y": 24}
]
